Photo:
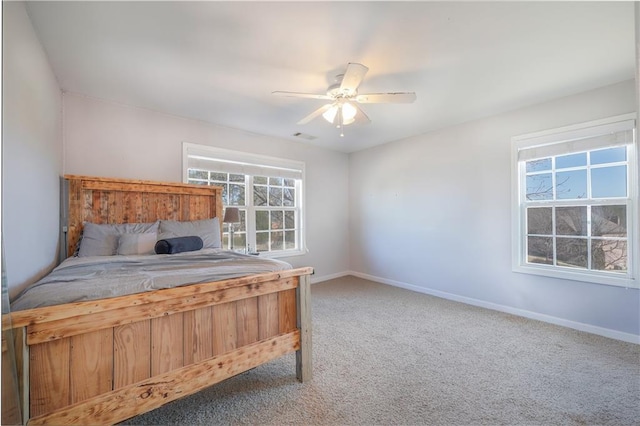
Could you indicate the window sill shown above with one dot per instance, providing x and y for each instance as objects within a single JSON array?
[
  {"x": 281, "y": 254},
  {"x": 618, "y": 280}
]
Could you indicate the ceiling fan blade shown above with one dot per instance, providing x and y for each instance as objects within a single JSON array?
[
  {"x": 393, "y": 97},
  {"x": 301, "y": 95},
  {"x": 361, "y": 117},
  {"x": 353, "y": 77},
  {"x": 315, "y": 114}
]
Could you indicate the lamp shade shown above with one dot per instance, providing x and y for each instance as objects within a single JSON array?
[
  {"x": 231, "y": 215},
  {"x": 330, "y": 114},
  {"x": 348, "y": 113}
]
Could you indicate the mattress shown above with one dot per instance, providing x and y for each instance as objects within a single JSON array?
[{"x": 98, "y": 277}]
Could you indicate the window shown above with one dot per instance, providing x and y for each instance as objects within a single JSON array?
[
  {"x": 268, "y": 192},
  {"x": 576, "y": 201}
]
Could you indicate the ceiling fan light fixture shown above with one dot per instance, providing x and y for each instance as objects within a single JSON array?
[
  {"x": 330, "y": 114},
  {"x": 346, "y": 110},
  {"x": 349, "y": 121},
  {"x": 348, "y": 113}
]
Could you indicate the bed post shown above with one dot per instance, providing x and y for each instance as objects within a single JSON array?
[
  {"x": 22, "y": 364},
  {"x": 64, "y": 219},
  {"x": 15, "y": 374},
  {"x": 303, "y": 355}
]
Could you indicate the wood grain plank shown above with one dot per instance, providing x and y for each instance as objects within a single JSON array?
[
  {"x": 268, "y": 315},
  {"x": 11, "y": 406},
  {"x": 162, "y": 206},
  {"x": 22, "y": 368},
  {"x": 132, "y": 207},
  {"x": 115, "y": 406},
  {"x": 167, "y": 344},
  {"x": 150, "y": 201},
  {"x": 185, "y": 204},
  {"x": 174, "y": 208},
  {"x": 194, "y": 208},
  {"x": 157, "y": 201},
  {"x": 190, "y": 339},
  {"x": 144, "y": 212},
  {"x": 225, "y": 329},
  {"x": 69, "y": 326},
  {"x": 138, "y": 207},
  {"x": 287, "y": 310},
  {"x": 207, "y": 210},
  {"x": 198, "y": 335},
  {"x": 126, "y": 207},
  {"x": 91, "y": 367},
  {"x": 257, "y": 285},
  {"x": 75, "y": 216},
  {"x": 247, "y": 321},
  {"x": 49, "y": 384},
  {"x": 96, "y": 207},
  {"x": 118, "y": 216},
  {"x": 131, "y": 353},
  {"x": 217, "y": 204},
  {"x": 103, "y": 211},
  {"x": 133, "y": 185},
  {"x": 112, "y": 208},
  {"x": 87, "y": 208}
]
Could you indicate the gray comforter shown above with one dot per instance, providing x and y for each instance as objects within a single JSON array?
[{"x": 90, "y": 278}]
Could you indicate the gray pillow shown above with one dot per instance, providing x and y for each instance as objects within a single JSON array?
[
  {"x": 207, "y": 229},
  {"x": 137, "y": 243},
  {"x": 102, "y": 240}
]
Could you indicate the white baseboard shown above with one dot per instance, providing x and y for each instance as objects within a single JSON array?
[
  {"x": 600, "y": 331},
  {"x": 319, "y": 279}
]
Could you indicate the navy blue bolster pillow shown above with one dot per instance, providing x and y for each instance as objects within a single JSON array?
[{"x": 178, "y": 245}]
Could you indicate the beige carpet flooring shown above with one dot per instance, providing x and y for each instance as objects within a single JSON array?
[{"x": 388, "y": 356}]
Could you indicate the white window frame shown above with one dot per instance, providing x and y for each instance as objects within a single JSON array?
[
  {"x": 255, "y": 165},
  {"x": 559, "y": 142}
]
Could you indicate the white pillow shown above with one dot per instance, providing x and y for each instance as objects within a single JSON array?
[
  {"x": 207, "y": 229},
  {"x": 137, "y": 243}
]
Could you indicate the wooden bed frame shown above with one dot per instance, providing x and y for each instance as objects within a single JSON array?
[{"x": 104, "y": 361}]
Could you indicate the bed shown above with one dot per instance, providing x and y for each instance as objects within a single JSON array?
[{"x": 106, "y": 360}]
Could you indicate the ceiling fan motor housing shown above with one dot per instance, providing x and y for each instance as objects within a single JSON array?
[{"x": 335, "y": 90}]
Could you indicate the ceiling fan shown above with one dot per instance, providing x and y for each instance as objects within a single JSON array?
[{"x": 344, "y": 100}]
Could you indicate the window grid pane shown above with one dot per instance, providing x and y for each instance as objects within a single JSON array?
[
  {"x": 272, "y": 201},
  {"x": 557, "y": 176},
  {"x": 565, "y": 224},
  {"x": 583, "y": 175},
  {"x": 571, "y": 252},
  {"x": 233, "y": 185},
  {"x": 563, "y": 236},
  {"x": 275, "y": 199},
  {"x": 609, "y": 255},
  {"x": 270, "y": 224}
]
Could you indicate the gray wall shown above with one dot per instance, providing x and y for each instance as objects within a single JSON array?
[
  {"x": 433, "y": 213},
  {"x": 109, "y": 139},
  {"x": 31, "y": 151}
]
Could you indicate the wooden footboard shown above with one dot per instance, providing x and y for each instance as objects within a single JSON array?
[{"x": 105, "y": 361}]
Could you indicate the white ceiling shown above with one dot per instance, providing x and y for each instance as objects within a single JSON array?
[{"x": 220, "y": 61}]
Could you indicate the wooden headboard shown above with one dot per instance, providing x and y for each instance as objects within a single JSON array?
[{"x": 106, "y": 200}]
